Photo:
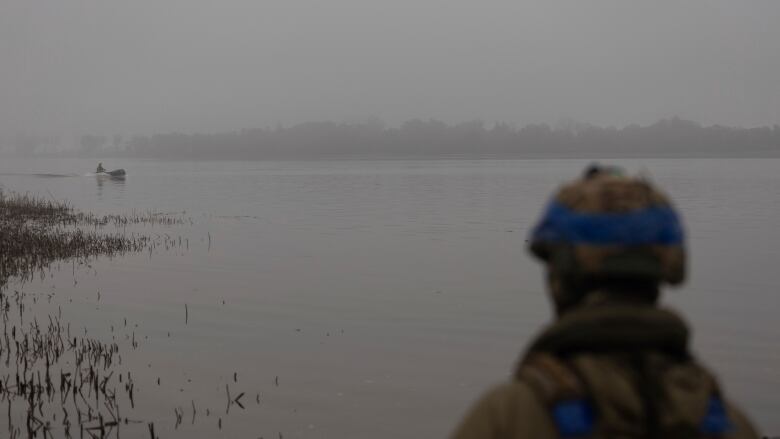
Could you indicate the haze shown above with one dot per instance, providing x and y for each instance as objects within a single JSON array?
[{"x": 202, "y": 66}]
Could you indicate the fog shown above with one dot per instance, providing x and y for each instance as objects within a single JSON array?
[{"x": 146, "y": 67}]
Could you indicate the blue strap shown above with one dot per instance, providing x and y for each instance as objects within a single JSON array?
[
  {"x": 716, "y": 421},
  {"x": 574, "y": 418},
  {"x": 656, "y": 225}
]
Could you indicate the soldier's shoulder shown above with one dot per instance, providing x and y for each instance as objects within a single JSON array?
[{"x": 743, "y": 428}]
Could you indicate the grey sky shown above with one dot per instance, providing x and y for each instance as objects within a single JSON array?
[{"x": 69, "y": 66}]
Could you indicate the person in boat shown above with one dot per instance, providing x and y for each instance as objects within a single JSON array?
[
  {"x": 613, "y": 363},
  {"x": 100, "y": 168}
]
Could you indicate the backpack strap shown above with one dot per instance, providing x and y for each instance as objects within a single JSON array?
[
  {"x": 716, "y": 422},
  {"x": 572, "y": 410},
  {"x": 562, "y": 391}
]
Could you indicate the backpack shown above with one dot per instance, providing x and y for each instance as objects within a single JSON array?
[{"x": 664, "y": 397}]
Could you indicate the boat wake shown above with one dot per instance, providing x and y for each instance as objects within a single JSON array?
[{"x": 42, "y": 175}]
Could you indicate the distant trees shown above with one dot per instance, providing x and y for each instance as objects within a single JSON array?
[{"x": 432, "y": 138}]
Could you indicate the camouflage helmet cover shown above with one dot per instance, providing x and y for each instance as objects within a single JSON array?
[{"x": 611, "y": 226}]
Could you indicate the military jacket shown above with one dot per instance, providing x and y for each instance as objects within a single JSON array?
[{"x": 608, "y": 371}]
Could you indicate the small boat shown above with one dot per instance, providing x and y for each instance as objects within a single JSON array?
[{"x": 116, "y": 173}]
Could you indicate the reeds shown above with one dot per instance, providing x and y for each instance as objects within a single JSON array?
[
  {"x": 46, "y": 367},
  {"x": 34, "y": 232},
  {"x": 56, "y": 383}
]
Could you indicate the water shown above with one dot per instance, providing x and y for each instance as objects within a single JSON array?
[{"x": 384, "y": 296}]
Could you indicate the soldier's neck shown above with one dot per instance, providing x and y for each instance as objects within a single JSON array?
[{"x": 637, "y": 294}]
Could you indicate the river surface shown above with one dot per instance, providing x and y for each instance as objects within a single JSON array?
[{"x": 379, "y": 299}]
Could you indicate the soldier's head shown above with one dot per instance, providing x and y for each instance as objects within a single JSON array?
[{"x": 607, "y": 231}]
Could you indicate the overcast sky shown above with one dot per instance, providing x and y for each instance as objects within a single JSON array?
[{"x": 70, "y": 66}]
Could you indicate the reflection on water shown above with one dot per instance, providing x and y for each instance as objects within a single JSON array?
[{"x": 114, "y": 187}]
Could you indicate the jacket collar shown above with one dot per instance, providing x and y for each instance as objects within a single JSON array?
[{"x": 608, "y": 326}]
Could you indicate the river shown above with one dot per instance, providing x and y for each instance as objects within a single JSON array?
[{"x": 378, "y": 299}]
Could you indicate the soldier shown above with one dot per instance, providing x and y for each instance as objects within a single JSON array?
[{"x": 613, "y": 364}]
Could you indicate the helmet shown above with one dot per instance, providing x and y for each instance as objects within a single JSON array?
[{"x": 610, "y": 226}]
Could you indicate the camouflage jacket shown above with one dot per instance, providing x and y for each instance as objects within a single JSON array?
[{"x": 608, "y": 371}]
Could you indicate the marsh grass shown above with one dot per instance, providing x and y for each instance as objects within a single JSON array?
[
  {"x": 35, "y": 232},
  {"x": 50, "y": 379}
]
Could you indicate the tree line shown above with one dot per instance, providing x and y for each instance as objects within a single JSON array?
[{"x": 432, "y": 138}]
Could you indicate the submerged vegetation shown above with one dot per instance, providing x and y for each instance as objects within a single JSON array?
[
  {"x": 35, "y": 232},
  {"x": 83, "y": 391},
  {"x": 57, "y": 379},
  {"x": 52, "y": 379}
]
